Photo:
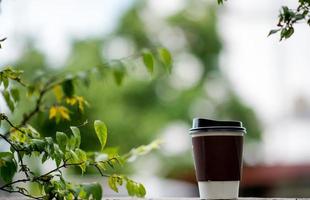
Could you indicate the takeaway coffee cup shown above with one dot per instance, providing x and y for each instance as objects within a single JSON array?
[{"x": 217, "y": 148}]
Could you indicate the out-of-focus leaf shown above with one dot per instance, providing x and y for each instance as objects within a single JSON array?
[
  {"x": 8, "y": 100},
  {"x": 119, "y": 73},
  {"x": 93, "y": 189},
  {"x": 166, "y": 58},
  {"x": 68, "y": 88},
  {"x": 15, "y": 94},
  {"x": 148, "y": 61},
  {"x": 58, "y": 93}
]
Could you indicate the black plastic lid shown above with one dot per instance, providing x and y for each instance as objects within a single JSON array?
[{"x": 201, "y": 124}]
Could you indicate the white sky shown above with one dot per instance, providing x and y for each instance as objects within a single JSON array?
[{"x": 55, "y": 23}]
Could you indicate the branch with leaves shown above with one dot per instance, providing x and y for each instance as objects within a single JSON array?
[
  {"x": 288, "y": 17},
  {"x": 25, "y": 141}
]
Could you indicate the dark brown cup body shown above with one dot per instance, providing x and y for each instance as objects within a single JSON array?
[{"x": 218, "y": 157}]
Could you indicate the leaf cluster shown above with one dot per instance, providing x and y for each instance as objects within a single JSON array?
[
  {"x": 289, "y": 17},
  {"x": 64, "y": 149}
]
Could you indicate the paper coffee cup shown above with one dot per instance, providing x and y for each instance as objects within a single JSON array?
[{"x": 217, "y": 150}]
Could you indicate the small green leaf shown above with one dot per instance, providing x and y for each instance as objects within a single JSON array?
[
  {"x": 5, "y": 82},
  {"x": 77, "y": 136},
  {"x": 8, "y": 100},
  {"x": 112, "y": 183},
  {"x": 8, "y": 166},
  {"x": 93, "y": 189},
  {"x": 62, "y": 140},
  {"x": 68, "y": 88},
  {"x": 148, "y": 61},
  {"x": 38, "y": 144},
  {"x": 119, "y": 73},
  {"x": 141, "y": 189},
  {"x": 15, "y": 94},
  {"x": 44, "y": 157},
  {"x": 166, "y": 58},
  {"x": 273, "y": 31},
  {"x": 130, "y": 188},
  {"x": 82, "y": 159},
  {"x": 102, "y": 132}
]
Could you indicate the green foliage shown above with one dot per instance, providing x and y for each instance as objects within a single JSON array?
[
  {"x": 166, "y": 58},
  {"x": 148, "y": 61},
  {"x": 8, "y": 166},
  {"x": 102, "y": 132},
  {"x": 289, "y": 17},
  {"x": 25, "y": 141}
]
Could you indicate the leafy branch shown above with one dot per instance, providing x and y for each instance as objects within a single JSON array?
[{"x": 64, "y": 150}]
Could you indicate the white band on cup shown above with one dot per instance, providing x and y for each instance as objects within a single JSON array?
[
  {"x": 219, "y": 133},
  {"x": 218, "y": 189}
]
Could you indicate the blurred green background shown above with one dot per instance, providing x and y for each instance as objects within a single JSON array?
[{"x": 144, "y": 106}]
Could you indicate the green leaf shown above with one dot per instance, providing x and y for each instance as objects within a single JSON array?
[
  {"x": 286, "y": 32},
  {"x": 119, "y": 73},
  {"x": 44, "y": 157},
  {"x": 166, "y": 58},
  {"x": 8, "y": 100},
  {"x": 82, "y": 159},
  {"x": 77, "y": 136},
  {"x": 8, "y": 166},
  {"x": 273, "y": 31},
  {"x": 148, "y": 61},
  {"x": 15, "y": 94},
  {"x": 62, "y": 140},
  {"x": 102, "y": 132},
  {"x": 141, "y": 190},
  {"x": 5, "y": 82},
  {"x": 141, "y": 150},
  {"x": 130, "y": 188},
  {"x": 68, "y": 88},
  {"x": 93, "y": 189},
  {"x": 112, "y": 183},
  {"x": 38, "y": 144}
]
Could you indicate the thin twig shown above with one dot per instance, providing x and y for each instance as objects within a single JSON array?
[
  {"x": 14, "y": 182},
  {"x": 20, "y": 192},
  {"x": 20, "y": 158}
]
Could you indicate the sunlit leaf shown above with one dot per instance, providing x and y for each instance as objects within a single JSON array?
[
  {"x": 77, "y": 136},
  {"x": 82, "y": 159},
  {"x": 112, "y": 183},
  {"x": 59, "y": 112},
  {"x": 58, "y": 93},
  {"x": 166, "y": 58},
  {"x": 62, "y": 140},
  {"x": 102, "y": 132}
]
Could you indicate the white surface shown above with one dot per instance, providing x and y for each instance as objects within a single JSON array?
[{"x": 218, "y": 189}]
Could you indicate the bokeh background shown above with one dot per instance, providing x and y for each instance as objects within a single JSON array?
[{"x": 225, "y": 67}]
